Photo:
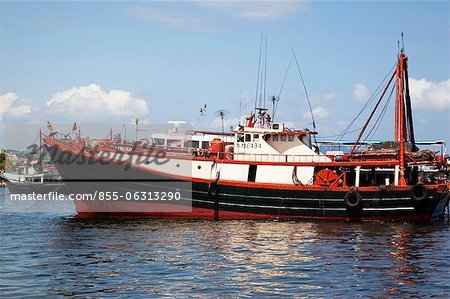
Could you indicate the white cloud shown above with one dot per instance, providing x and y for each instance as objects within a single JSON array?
[
  {"x": 10, "y": 108},
  {"x": 430, "y": 95},
  {"x": 210, "y": 16},
  {"x": 255, "y": 10},
  {"x": 319, "y": 112},
  {"x": 330, "y": 96},
  {"x": 360, "y": 92},
  {"x": 172, "y": 18},
  {"x": 91, "y": 103}
]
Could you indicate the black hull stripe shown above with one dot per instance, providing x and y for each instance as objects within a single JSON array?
[{"x": 303, "y": 198}]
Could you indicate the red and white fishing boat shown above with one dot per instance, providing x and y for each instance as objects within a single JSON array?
[{"x": 269, "y": 171}]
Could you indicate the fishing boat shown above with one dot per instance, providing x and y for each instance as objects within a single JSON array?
[
  {"x": 31, "y": 173},
  {"x": 39, "y": 177},
  {"x": 268, "y": 171}
]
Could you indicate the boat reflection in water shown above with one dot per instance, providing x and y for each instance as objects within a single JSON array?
[{"x": 239, "y": 258}]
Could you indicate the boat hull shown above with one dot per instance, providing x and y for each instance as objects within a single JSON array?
[
  {"x": 241, "y": 200},
  {"x": 230, "y": 203}
]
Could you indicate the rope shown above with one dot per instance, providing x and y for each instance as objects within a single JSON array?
[{"x": 374, "y": 95}]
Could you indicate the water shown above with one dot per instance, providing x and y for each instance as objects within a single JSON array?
[{"x": 55, "y": 254}]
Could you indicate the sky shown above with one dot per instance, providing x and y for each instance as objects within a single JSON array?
[{"x": 109, "y": 62}]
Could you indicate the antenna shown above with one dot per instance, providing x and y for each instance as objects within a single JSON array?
[
  {"x": 240, "y": 107},
  {"x": 281, "y": 88},
  {"x": 403, "y": 44},
  {"x": 125, "y": 128},
  {"x": 259, "y": 71},
  {"x": 137, "y": 128},
  {"x": 201, "y": 114},
  {"x": 274, "y": 100},
  {"x": 221, "y": 113},
  {"x": 307, "y": 96},
  {"x": 265, "y": 74}
]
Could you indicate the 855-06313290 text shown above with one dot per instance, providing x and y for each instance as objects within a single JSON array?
[{"x": 101, "y": 195}]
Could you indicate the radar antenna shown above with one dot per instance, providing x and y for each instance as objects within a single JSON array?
[
  {"x": 201, "y": 114},
  {"x": 221, "y": 113},
  {"x": 274, "y": 101}
]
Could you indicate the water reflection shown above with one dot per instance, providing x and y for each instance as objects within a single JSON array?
[{"x": 145, "y": 258}]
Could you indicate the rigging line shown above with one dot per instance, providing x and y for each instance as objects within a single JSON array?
[
  {"x": 372, "y": 113},
  {"x": 259, "y": 70},
  {"x": 265, "y": 74},
  {"x": 367, "y": 104},
  {"x": 306, "y": 93},
  {"x": 352, "y": 131},
  {"x": 377, "y": 123},
  {"x": 380, "y": 118},
  {"x": 374, "y": 95},
  {"x": 281, "y": 88}
]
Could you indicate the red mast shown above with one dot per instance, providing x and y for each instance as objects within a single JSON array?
[
  {"x": 400, "y": 122},
  {"x": 400, "y": 134}
]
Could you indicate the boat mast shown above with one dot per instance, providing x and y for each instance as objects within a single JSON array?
[
  {"x": 400, "y": 121},
  {"x": 40, "y": 145},
  {"x": 408, "y": 107}
]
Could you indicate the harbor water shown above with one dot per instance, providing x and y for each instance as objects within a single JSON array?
[{"x": 52, "y": 253}]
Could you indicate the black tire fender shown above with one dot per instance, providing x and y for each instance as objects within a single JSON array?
[
  {"x": 353, "y": 200},
  {"x": 418, "y": 193}
]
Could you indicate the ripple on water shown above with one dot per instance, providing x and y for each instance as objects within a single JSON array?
[{"x": 46, "y": 254}]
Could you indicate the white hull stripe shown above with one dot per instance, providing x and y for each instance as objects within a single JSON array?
[
  {"x": 303, "y": 208},
  {"x": 300, "y": 198}
]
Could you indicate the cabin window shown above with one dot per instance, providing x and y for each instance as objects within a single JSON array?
[
  {"x": 255, "y": 137},
  {"x": 248, "y": 137},
  {"x": 192, "y": 144},
  {"x": 240, "y": 137},
  {"x": 174, "y": 142},
  {"x": 283, "y": 137},
  {"x": 266, "y": 137},
  {"x": 275, "y": 137},
  {"x": 205, "y": 144},
  {"x": 275, "y": 126},
  {"x": 291, "y": 137},
  {"x": 159, "y": 141}
]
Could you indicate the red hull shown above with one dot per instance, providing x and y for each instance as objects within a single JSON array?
[{"x": 202, "y": 213}]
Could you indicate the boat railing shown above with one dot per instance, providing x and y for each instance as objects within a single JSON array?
[{"x": 280, "y": 158}]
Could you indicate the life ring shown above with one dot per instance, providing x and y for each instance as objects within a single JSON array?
[
  {"x": 213, "y": 191},
  {"x": 353, "y": 201},
  {"x": 418, "y": 193}
]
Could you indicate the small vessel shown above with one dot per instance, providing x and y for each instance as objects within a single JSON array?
[
  {"x": 32, "y": 178},
  {"x": 34, "y": 173},
  {"x": 267, "y": 170}
]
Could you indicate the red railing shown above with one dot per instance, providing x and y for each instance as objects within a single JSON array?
[{"x": 274, "y": 158}]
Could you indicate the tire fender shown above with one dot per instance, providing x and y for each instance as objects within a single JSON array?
[
  {"x": 353, "y": 200},
  {"x": 418, "y": 193}
]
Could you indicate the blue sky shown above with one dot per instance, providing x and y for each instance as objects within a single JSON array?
[{"x": 110, "y": 62}]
